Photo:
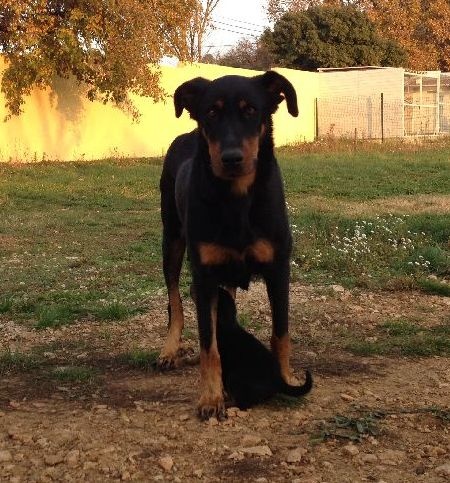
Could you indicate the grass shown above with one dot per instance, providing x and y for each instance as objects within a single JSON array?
[
  {"x": 14, "y": 361},
  {"x": 435, "y": 287},
  {"x": 81, "y": 241},
  {"x": 405, "y": 339},
  {"x": 140, "y": 359},
  {"x": 74, "y": 374}
]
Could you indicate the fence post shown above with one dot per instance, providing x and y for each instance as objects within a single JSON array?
[{"x": 382, "y": 117}]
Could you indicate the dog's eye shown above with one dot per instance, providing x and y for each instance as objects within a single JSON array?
[
  {"x": 211, "y": 113},
  {"x": 249, "y": 111}
]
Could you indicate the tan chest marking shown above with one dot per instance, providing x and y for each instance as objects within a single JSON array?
[{"x": 261, "y": 251}]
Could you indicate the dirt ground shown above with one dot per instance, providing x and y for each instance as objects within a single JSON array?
[{"x": 136, "y": 424}]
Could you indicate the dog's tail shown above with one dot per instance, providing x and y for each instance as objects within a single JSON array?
[{"x": 297, "y": 391}]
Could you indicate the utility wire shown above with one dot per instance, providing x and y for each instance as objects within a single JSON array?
[
  {"x": 228, "y": 19},
  {"x": 237, "y": 26}
]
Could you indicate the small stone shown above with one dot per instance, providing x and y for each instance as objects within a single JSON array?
[
  {"x": 213, "y": 421},
  {"x": 126, "y": 476},
  {"x": 5, "y": 455},
  {"x": 347, "y": 397},
  {"x": 391, "y": 457},
  {"x": 250, "y": 440},
  {"x": 236, "y": 456},
  {"x": 369, "y": 458},
  {"x": 443, "y": 470},
  {"x": 72, "y": 457},
  {"x": 351, "y": 450},
  {"x": 242, "y": 414},
  {"x": 166, "y": 463},
  {"x": 261, "y": 480},
  {"x": 232, "y": 412},
  {"x": 296, "y": 455},
  {"x": 338, "y": 288},
  {"x": 53, "y": 459},
  {"x": 184, "y": 417},
  {"x": 198, "y": 473},
  {"x": 262, "y": 450}
]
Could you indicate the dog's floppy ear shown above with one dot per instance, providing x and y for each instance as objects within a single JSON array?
[
  {"x": 279, "y": 88},
  {"x": 186, "y": 96}
]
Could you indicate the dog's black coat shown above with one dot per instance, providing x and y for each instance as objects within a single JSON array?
[
  {"x": 250, "y": 372},
  {"x": 222, "y": 197}
]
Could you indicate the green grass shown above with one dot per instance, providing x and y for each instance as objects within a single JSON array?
[
  {"x": 81, "y": 241},
  {"x": 74, "y": 374},
  {"x": 405, "y": 339},
  {"x": 366, "y": 174},
  {"x": 14, "y": 361},
  {"x": 435, "y": 287},
  {"x": 141, "y": 359}
]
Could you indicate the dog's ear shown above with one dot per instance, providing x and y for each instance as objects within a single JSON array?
[
  {"x": 278, "y": 88},
  {"x": 187, "y": 95}
]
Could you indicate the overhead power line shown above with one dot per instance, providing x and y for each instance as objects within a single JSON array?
[
  {"x": 238, "y": 27},
  {"x": 235, "y": 20}
]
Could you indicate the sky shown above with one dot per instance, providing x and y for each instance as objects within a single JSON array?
[{"x": 234, "y": 19}]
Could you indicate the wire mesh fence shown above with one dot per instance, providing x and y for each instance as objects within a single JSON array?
[{"x": 374, "y": 117}]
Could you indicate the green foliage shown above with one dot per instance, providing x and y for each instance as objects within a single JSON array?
[
  {"x": 330, "y": 37},
  {"x": 111, "y": 47},
  {"x": 349, "y": 427},
  {"x": 246, "y": 54}
]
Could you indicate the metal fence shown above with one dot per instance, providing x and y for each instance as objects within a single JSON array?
[{"x": 423, "y": 111}]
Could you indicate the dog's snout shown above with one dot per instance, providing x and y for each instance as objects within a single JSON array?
[{"x": 232, "y": 156}]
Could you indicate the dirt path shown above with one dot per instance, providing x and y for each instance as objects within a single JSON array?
[{"x": 134, "y": 424}]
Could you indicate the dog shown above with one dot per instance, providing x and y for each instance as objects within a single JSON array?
[
  {"x": 250, "y": 372},
  {"x": 222, "y": 197}
]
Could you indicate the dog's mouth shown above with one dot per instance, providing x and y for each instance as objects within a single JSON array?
[{"x": 238, "y": 169}]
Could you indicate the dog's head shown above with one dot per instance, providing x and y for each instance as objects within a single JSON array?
[{"x": 233, "y": 113}]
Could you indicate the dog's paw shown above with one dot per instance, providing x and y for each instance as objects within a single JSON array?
[
  {"x": 166, "y": 363},
  {"x": 212, "y": 409}
]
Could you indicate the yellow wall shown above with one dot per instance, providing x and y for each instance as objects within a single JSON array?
[{"x": 61, "y": 124}]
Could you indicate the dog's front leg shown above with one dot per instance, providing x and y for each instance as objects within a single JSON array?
[
  {"x": 211, "y": 401},
  {"x": 277, "y": 284}
]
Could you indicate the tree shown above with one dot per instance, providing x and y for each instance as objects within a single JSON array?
[
  {"x": 276, "y": 8},
  {"x": 112, "y": 46},
  {"x": 201, "y": 20},
  {"x": 421, "y": 27},
  {"x": 330, "y": 37},
  {"x": 247, "y": 54}
]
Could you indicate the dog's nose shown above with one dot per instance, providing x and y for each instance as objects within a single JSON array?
[{"x": 232, "y": 156}]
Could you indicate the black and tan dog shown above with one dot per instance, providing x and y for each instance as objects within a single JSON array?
[
  {"x": 250, "y": 372},
  {"x": 222, "y": 196}
]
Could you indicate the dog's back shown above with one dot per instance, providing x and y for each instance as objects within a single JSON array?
[{"x": 250, "y": 372}]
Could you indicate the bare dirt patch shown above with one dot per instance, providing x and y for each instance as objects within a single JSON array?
[
  {"x": 414, "y": 204},
  {"x": 130, "y": 423}
]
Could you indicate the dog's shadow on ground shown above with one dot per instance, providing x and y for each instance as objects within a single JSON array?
[{"x": 117, "y": 383}]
